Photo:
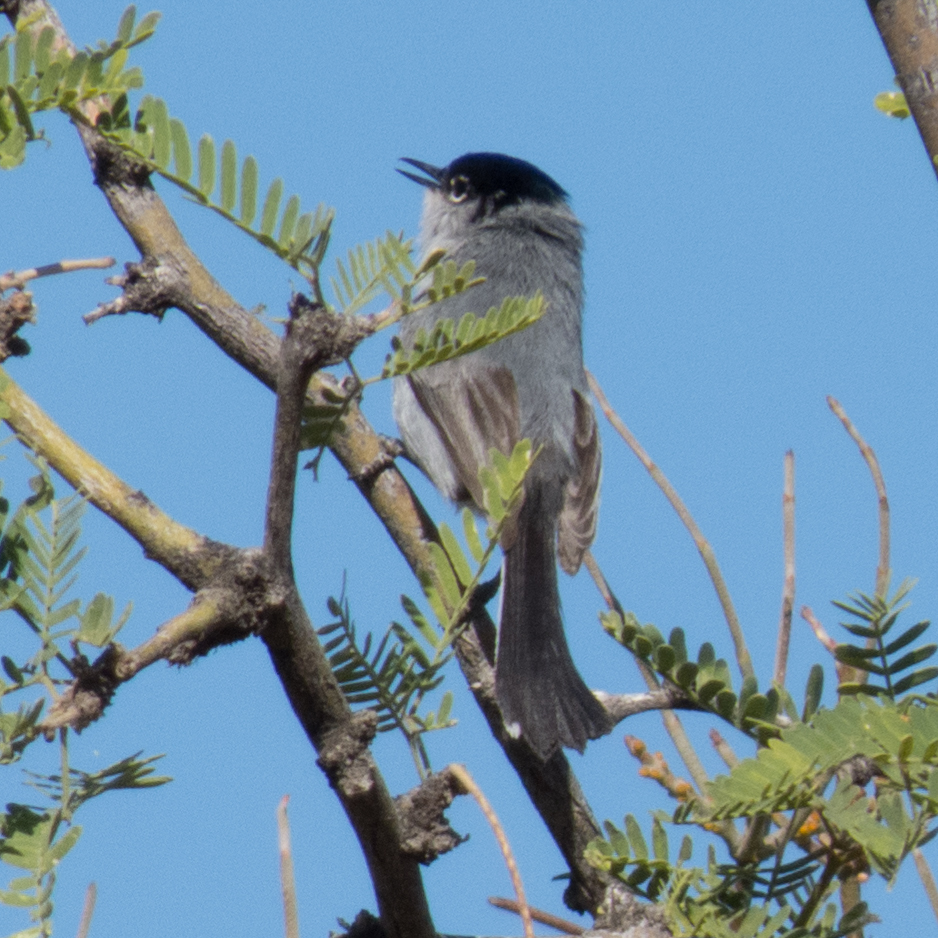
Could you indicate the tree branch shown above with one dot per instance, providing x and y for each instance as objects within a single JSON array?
[
  {"x": 909, "y": 31},
  {"x": 183, "y": 282},
  {"x": 315, "y": 338}
]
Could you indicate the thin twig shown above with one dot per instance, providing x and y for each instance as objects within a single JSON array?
[
  {"x": 210, "y": 614},
  {"x": 882, "y": 568},
  {"x": 845, "y": 673},
  {"x": 287, "y": 882},
  {"x": 706, "y": 551},
  {"x": 91, "y": 894},
  {"x": 724, "y": 749},
  {"x": 461, "y": 774},
  {"x": 18, "y": 279},
  {"x": 788, "y": 588},
  {"x": 928, "y": 881},
  {"x": 820, "y": 633},
  {"x": 539, "y": 915}
]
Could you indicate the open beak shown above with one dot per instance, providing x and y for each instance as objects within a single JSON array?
[{"x": 434, "y": 172}]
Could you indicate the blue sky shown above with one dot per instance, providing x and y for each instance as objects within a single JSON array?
[{"x": 758, "y": 237}]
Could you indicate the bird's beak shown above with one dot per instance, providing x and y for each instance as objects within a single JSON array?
[{"x": 434, "y": 172}]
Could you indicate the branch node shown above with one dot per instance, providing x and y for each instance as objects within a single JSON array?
[
  {"x": 15, "y": 311},
  {"x": 425, "y": 831},
  {"x": 343, "y": 754},
  {"x": 149, "y": 286}
]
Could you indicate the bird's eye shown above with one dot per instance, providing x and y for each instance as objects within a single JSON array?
[{"x": 459, "y": 189}]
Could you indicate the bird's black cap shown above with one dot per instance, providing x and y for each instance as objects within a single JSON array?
[{"x": 490, "y": 174}]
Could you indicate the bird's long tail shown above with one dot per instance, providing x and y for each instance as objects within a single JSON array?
[{"x": 538, "y": 686}]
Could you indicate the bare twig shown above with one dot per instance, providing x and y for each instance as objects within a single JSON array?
[
  {"x": 788, "y": 589},
  {"x": 882, "y": 567},
  {"x": 724, "y": 750},
  {"x": 91, "y": 894},
  {"x": 820, "y": 633},
  {"x": 665, "y": 697},
  {"x": 928, "y": 881},
  {"x": 287, "y": 882},
  {"x": 468, "y": 783},
  {"x": 539, "y": 915},
  {"x": 845, "y": 673},
  {"x": 743, "y": 657},
  {"x": 20, "y": 278},
  {"x": 216, "y": 616}
]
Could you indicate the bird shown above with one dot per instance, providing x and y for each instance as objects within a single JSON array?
[{"x": 515, "y": 222}]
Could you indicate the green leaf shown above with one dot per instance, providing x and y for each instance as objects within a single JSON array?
[
  {"x": 162, "y": 135},
  {"x": 448, "y": 340},
  {"x": 4, "y": 62},
  {"x": 636, "y": 838},
  {"x": 659, "y": 840},
  {"x": 471, "y": 533},
  {"x": 445, "y": 576},
  {"x": 288, "y": 222},
  {"x": 23, "y": 55},
  {"x": 915, "y": 679},
  {"x": 813, "y": 692},
  {"x": 248, "y": 191},
  {"x": 456, "y": 557},
  {"x": 271, "y": 207},
  {"x": 21, "y": 111},
  {"x": 892, "y": 104},
  {"x": 125, "y": 27},
  {"x": 75, "y": 71},
  {"x": 206, "y": 165},
  {"x": 43, "y": 55},
  {"x": 12, "y": 670},
  {"x": 229, "y": 176},
  {"x": 182, "y": 152},
  {"x": 63, "y": 845},
  {"x": 147, "y": 26}
]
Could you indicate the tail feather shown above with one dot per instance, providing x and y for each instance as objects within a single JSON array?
[{"x": 538, "y": 686}]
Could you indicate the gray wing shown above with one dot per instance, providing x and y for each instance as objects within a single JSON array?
[
  {"x": 577, "y": 523},
  {"x": 472, "y": 413}
]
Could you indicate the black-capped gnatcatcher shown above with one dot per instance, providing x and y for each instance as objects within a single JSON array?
[{"x": 514, "y": 221}]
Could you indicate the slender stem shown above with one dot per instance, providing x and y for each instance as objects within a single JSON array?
[
  {"x": 20, "y": 278},
  {"x": 928, "y": 881},
  {"x": 723, "y": 749},
  {"x": 882, "y": 568},
  {"x": 539, "y": 915},
  {"x": 91, "y": 895},
  {"x": 287, "y": 881},
  {"x": 788, "y": 589},
  {"x": 845, "y": 672},
  {"x": 743, "y": 657},
  {"x": 461, "y": 773}
]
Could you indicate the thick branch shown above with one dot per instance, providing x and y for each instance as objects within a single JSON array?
[
  {"x": 189, "y": 556},
  {"x": 314, "y": 338},
  {"x": 909, "y": 30}
]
